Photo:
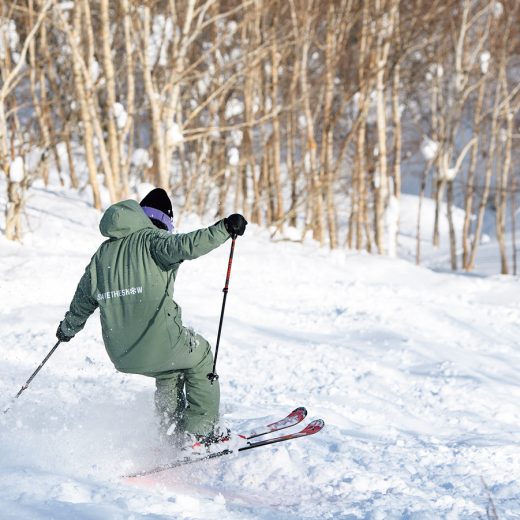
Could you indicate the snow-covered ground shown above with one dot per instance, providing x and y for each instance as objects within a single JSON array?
[{"x": 414, "y": 371}]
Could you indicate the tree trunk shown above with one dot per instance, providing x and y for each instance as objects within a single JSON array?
[
  {"x": 15, "y": 202},
  {"x": 114, "y": 145},
  {"x": 127, "y": 131},
  {"x": 88, "y": 133},
  {"x": 487, "y": 178},
  {"x": 327, "y": 140},
  {"x": 453, "y": 238},
  {"x": 316, "y": 200},
  {"x": 470, "y": 182},
  {"x": 397, "y": 150},
  {"x": 91, "y": 99},
  {"x": 158, "y": 143},
  {"x": 424, "y": 178},
  {"x": 383, "y": 26},
  {"x": 503, "y": 172},
  {"x": 276, "y": 139}
]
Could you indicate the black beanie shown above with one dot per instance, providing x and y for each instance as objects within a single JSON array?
[{"x": 158, "y": 199}]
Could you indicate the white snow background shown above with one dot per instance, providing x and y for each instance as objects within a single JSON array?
[{"x": 414, "y": 370}]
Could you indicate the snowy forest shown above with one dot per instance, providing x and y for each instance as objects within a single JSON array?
[{"x": 308, "y": 114}]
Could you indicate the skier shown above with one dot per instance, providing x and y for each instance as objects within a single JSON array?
[{"x": 131, "y": 278}]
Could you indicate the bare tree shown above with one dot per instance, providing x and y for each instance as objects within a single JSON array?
[
  {"x": 12, "y": 75},
  {"x": 110, "y": 121}
]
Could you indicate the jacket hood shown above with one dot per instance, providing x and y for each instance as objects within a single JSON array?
[{"x": 123, "y": 219}]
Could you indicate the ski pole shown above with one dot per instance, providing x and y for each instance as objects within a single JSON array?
[
  {"x": 213, "y": 375},
  {"x": 28, "y": 382}
]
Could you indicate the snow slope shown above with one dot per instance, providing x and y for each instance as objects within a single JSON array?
[{"x": 415, "y": 373}]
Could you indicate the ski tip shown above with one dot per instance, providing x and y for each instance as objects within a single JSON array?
[
  {"x": 301, "y": 411},
  {"x": 314, "y": 426}
]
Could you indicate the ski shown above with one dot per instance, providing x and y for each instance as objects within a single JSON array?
[
  {"x": 311, "y": 429},
  {"x": 294, "y": 418}
]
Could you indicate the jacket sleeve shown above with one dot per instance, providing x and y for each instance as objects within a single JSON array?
[
  {"x": 168, "y": 250},
  {"x": 82, "y": 306}
]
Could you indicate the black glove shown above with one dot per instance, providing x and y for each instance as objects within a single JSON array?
[
  {"x": 61, "y": 336},
  {"x": 235, "y": 224}
]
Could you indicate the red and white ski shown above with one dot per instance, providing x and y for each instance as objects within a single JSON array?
[
  {"x": 295, "y": 417},
  {"x": 312, "y": 428}
]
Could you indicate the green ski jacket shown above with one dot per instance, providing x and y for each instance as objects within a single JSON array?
[{"x": 130, "y": 278}]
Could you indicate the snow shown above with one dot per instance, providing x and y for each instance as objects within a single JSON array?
[
  {"x": 95, "y": 70},
  {"x": 485, "y": 57},
  {"x": 234, "y": 107},
  {"x": 16, "y": 170},
  {"x": 236, "y": 137},
  {"x": 9, "y": 36},
  {"x": 498, "y": 9},
  {"x": 429, "y": 148},
  {"x": 65, "y": 6},
  {"x": 174, "y": 133},
  {"x": 232, "y": 26},
  {"x": 414, "y": 370},
  {"x": 141, "y": 158},
  {"x": 392, "y": 225},
  {"x": 435, "y": 69},
  {"x": 450, "y": 174},
  {"x": 162, "y": 33},
  {"x": 233, "y": 156},
  {"x": 120, "y": 114},
  {"x": 203, "y": 85}
]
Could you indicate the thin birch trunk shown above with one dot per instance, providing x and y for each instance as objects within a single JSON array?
[
  {"x": 127, "y": 131},
  {"x": 453, "y": 238},
  {"x": 114, "y": 146},
  {"x": 381, "y": 182},
  {"x": 39, "y": 103},
  {"x": 276, "y": 139},
  {"x": 88, "y": 132},
  {"x": 327, "y": 171},
  {"x": 293, "y": 167},
  {"x": 316, "y": 199},
  {"x": 397, "y": 149},
  {"x": 424, "y": 179},
  {"x": 358, "y": 220},
  {"x": 172, "y": 117},
  {"x": 501, "y": 202},
  {"x": 512, "y": 195},
  {"x": 87, "y": 69},
  {"x": 470, "y": 182},
  {"x": 487, "y": 179},
  {"x": 158, "y": 141}
]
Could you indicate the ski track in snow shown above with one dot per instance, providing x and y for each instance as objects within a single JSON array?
[{"x": 415, "y": 373}]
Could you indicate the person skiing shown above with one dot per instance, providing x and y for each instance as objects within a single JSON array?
[{"x": 131, "y": 279}]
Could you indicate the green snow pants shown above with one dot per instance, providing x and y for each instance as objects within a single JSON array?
[{"x": 185, "y": 397}]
